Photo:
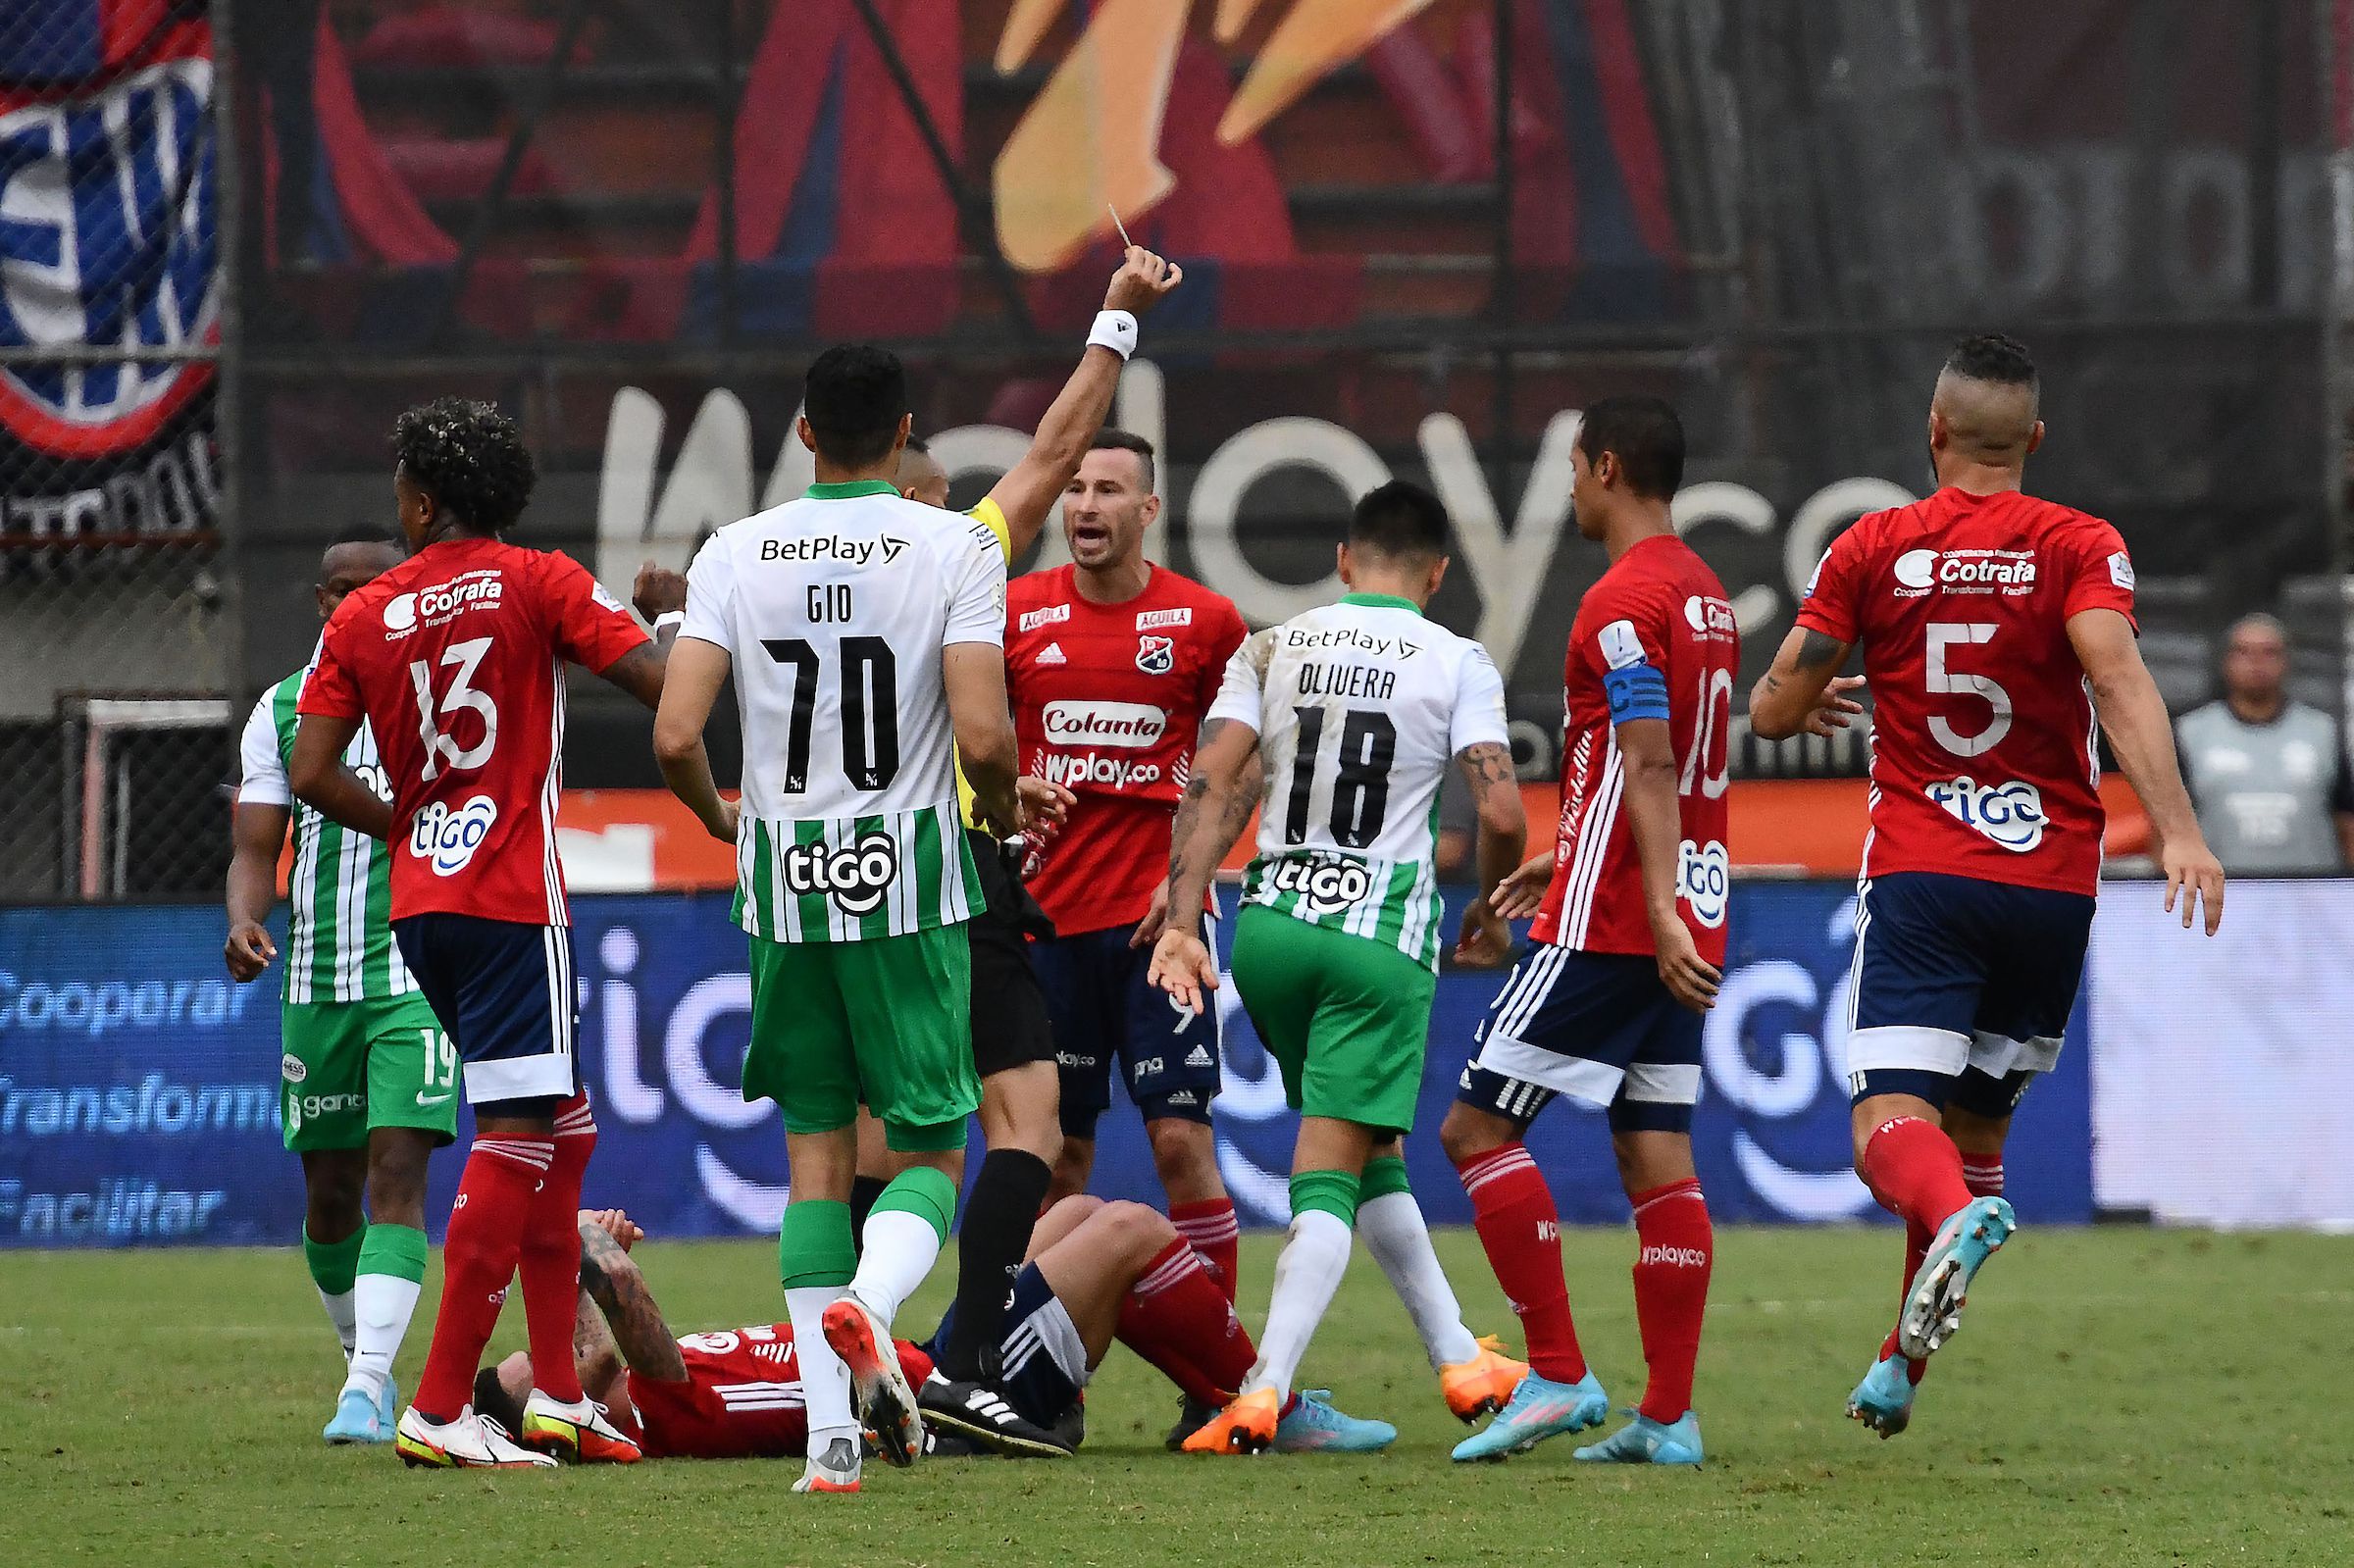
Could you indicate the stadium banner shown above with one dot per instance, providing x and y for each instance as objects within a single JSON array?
[
  {"x": 139, "y": 1091},
  {"x": 2220, "y": 1071}
]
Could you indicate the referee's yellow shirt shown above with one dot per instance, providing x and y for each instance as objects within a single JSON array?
[{"x": 993, "y": 517}]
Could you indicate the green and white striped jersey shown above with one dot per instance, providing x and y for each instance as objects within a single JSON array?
[
  {"x": 339, "y": 945},
  {"x": 1359, "y": 707},
  {"x": 835, "y": 610}
]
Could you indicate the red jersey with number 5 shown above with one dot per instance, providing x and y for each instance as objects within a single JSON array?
[
  {"x": 456, "y": 660},
  {"x": 1658, "y": 605},
  {"x": 1984, "y": 753},
  {"x": 1109, "y": 699}
]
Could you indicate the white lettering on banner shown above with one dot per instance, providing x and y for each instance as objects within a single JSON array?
[
  {"x": 96, "y": 1007},
  {"x": 154, "y": 1106},
  {"x": 115, "y": 1209}
]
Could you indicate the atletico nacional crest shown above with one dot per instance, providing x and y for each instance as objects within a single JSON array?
[{"x": 1155, "y": 655}]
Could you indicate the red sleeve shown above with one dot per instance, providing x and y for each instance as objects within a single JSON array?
[
  {"x": 1226, "y": 635},
  {"x": 1609, "y": 607},
  {"x": 1829, "y": 604},
  {"x": 330, "y": 693},
  {"x": 2100, "y": 574},
  {"x": 590, "y": 627}
]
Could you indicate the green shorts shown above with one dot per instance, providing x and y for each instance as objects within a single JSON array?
[
  {"x": 352, "y": 1067},
  {"x": 888, "y": 1021},
  {"x": 1347, "y": 1019}
]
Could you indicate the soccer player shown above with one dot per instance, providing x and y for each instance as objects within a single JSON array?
[
  {"x": 454, "y": 660},
  {"x": 370, "y": 1078},
  {"x": 1995, "y": 629},
  {"x": 1014, "y": 1044},
  {"x": 1629, "y": 938},
  {"x": 1097, "y": 1273},
  {"x": 864, "y": 632},
  {"x": 1350, "y": 715},
  {"x": 1112, "y": 663}
]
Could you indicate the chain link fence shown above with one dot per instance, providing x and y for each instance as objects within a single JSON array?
[{"x": 115, "y": 729}]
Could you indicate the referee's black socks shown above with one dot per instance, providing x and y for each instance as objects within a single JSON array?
[{"x": 997, "y": 1220}]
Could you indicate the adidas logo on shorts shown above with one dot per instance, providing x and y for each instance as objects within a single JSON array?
[{"x": 1200, "y": 1056}]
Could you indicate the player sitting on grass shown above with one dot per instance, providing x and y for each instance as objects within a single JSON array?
[{"x": 1098, "y": 1272}]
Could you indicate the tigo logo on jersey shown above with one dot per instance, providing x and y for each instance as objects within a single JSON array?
[
  {"x": 1104, "y": 724},
  {"x": 1093, "y": 767},
  {"x": 856, "y": 877},
  {"x": 1324, "y": 884},
  {"x": 2011, "y": 814},
  {"x": 1152, "y": 620},
  {"x": 1964, "y": 572},
  {"x": 444, "y": 601},
  {"x": 1156, "y": 655},
  {"x": 1704, "y": 878},
  {"x": 447, "y": 839},
  {"x": 1051, "y": 615}
]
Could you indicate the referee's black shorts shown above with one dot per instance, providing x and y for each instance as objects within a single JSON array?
[{"x": 1010, "y": 1011}]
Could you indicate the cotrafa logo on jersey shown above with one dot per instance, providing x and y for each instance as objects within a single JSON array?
[
  {"x": 1921, "y": 572},
  {"x": 2010, "y": 814},
  {"x": 1324, "y": 884},
  {"x": 1104, "y": 724},
  {"x": 857, "y": 875},
  {"x": 447, "y": 840},
  {"x": 444, "y": 602},
  {"x": 1711, "y": 618}
]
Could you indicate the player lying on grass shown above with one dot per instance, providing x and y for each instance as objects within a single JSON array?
[{"x": 1098, "y": 1272}]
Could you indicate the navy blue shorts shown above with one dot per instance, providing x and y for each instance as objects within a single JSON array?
[
  {"x": 1962, "y": 987},
  {"x": 1043, "y": 1360},
  {"x": 503, "y": 992},
  {"x": 1102, "y": 1008},
  {"x": 1601, "y": 1028}
]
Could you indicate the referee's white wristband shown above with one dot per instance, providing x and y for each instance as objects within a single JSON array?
[
  {"x": 1114, "y": 330},
  {"x": 670, "y": 618}
]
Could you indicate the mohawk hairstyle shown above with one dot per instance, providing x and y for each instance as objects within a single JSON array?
[
  {"x": 469, "y": 458},
  {"x": 1992, "y": 357}
]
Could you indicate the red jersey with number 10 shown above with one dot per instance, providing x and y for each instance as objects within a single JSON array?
[
  {"x": 1109, "y": 699},
  {"x": 1658, "y": 604},
  {"x": 455, "y": 658},
  {"x": 1982, "y": 731}
]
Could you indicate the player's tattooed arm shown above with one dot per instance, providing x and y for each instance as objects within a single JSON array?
[
  {"x": 1486, "y": 939},
  {"x": 611, "y": 1278},
  {"x": 316, "y": 773},
  {"x": 1227, "y": 778},
  {"x": 1803, "y": 691}
]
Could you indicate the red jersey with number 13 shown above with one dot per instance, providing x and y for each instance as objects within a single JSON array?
[
  {"x": 455, "y": 658},
  {"x": 1109, "y": 699},
  {"x": 1982, "y": 733},
  {"x": 1658, "y": 604}
]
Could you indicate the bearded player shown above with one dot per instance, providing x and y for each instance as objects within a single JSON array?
[
  {"x": 1098, "y": 1273},
  {"x": 1995, "y": 628},
  {"x": 455, "y": 660},
  {"x": 1111, "y": 664}
]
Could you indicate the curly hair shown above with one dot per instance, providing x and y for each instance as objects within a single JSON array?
[{"x": 469, "y": 458}]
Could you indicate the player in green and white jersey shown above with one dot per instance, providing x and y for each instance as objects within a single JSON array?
[
  {"x": 370, "y": 1081},
  {"x": 1345, "y": 719},
  {"x": 865, "y": 633}
]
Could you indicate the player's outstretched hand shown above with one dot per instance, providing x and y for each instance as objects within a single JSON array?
[
  {"x": 1689, "y": 977},
  {"x": 617, "y": 1224},
  {"x": 249, "y": 950},
  {"x": 658, "y": 590},
  {"x": 1156, "y": 918},
  {"x": 1142, "y": 282},
  {"x": 2195, "y": 875},
  {"x": 1486, "y": 941},
  {"x": 1835, "y": 708},
  {"x": 1184, "y": 967},
  {"x": 1522, "y": 895}
]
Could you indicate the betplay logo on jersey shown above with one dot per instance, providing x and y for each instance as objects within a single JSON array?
[
  {"x": 1704, "y": 879},
  {"x": 1918, "y": 572},
  {"x": 1324, "y": 884},
  {"x": 2010, "y": 814},
  {"x": 446, "y": 839},
  {"x": 1156, "y": 655},
  {"x": 857, "y": 877}
]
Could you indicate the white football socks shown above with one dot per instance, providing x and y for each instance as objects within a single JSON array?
[
  {"x": 900, "y": 1249},
  {"x": 824, "y": 1380},
  {"x": 1400, "y": 1242},
  {"x": 1315, "y": 1254},
  {"x": 342, "y": 1313},
  {"x": 385, "y": 1304}
]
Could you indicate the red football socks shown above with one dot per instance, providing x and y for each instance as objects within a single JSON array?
[
  {"x": 486, "y": 1223},
  {"x": 550, "y": 1260},
  {"x": 1215, "y": 1231},
  {"x": 1176, "y": 1316},
  {"x": 1914, "y": 1171},
  {"x": 1514, "y": 1212},
  {"x": 1676, "y": 1250}
]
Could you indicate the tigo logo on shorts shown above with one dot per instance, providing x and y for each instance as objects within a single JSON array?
[{"x": 449, "y": 839}]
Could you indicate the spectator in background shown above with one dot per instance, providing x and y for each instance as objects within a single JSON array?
[{"x": 2269, "y": 775}]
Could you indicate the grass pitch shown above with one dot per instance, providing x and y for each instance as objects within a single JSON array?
[{"x": 2116, "y": 1396}]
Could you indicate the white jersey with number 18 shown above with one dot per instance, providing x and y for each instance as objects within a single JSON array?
[
  {"x": 834, "y": 610},
  {"x": 1359, "y": 707}
]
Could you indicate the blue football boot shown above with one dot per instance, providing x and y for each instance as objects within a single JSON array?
[
  {"x": 1312, "y": 1426},
  {"x": 1539, "y": 1408},
  {"x": 1883, "y": 1400},
  {"x": 1645, "y": 1442},
  {"x": 1932, "y": 1308}
]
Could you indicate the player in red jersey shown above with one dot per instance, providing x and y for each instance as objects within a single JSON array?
[
  {"x": 1111, "y": 663},
  {"x": 1097, "y": 1273},
  {"x": 455, "y": 658},
  {"x": 1630, "y": 925},
  {"x": 1995, "y": 628}
]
